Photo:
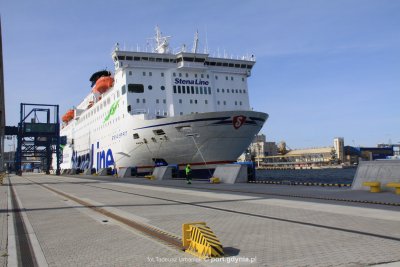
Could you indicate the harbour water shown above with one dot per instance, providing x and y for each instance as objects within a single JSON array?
[{"x": 345, "y": 176}]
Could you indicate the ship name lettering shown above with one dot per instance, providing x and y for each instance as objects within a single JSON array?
[{"x": 195, "y": 82}]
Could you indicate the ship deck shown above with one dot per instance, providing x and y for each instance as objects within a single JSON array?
[{"x": 90, "y": 221}]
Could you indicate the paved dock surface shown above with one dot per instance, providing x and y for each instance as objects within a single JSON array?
[{"x": 258, "y": 224}]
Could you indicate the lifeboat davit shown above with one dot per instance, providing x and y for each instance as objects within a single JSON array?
[
  {"x": 69, "y": 115},
  {"x": 90, "y": 104},
  {"x": 103, "y": 84}
]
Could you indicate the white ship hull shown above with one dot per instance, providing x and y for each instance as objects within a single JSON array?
[
  {"x": 203, "y": 140},
  {"x": 162, "y": 108}
]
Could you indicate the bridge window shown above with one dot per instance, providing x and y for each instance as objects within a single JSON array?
[{"x": 135, "y": 88}]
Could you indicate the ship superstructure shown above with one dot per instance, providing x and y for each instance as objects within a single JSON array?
[{"x": 175, "y": 108}]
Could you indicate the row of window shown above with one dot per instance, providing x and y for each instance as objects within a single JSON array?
[
  {"x": 138, "y": 88},
  {"x": 178, "y": 89},
  {"x": 195, "y": 75},
  {"x": 237, "y": 91},
  {"x": 224, "y": 103},
  {"x": 96, "y": 107},
  {"x": 173, "y": 60},
  {"x": 144, "y": 101},
  {"x": 187, "y": 75},
  {"x": 192, "y": 101}
]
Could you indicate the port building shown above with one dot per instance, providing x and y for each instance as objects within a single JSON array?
[{"x": 269, "y": 155}]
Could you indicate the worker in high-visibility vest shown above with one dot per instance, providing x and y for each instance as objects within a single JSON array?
[{"x": 188, "y": 172}]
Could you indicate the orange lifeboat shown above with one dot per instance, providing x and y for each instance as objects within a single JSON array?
[
  {"x": 103, "y": 84},
  {"x": 69, "y": 115}
]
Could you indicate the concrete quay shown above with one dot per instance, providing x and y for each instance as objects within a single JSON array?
[{"x": 258, "y": 224}]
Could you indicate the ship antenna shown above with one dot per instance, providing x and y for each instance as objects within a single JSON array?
[
  {"x": 195, "y": 42},
  {"x": 206, "y": 46},
  {"x": 162, "y": 42}
]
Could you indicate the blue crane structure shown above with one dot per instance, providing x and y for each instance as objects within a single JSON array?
[{"x": 38, "y": 136}]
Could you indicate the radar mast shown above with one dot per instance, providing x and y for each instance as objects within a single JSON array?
[{"x": 161, "y": 42}]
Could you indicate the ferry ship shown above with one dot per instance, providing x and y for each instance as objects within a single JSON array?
[{"x": 161, "y": 108}]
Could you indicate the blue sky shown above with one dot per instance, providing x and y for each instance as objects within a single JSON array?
[{"x": 324, "y": 68}]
